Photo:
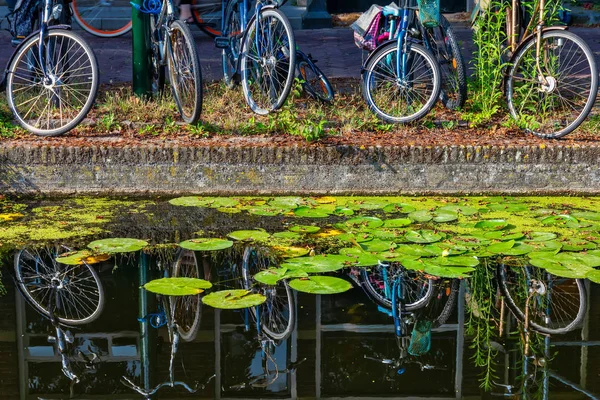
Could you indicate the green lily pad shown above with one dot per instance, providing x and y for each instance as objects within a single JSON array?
[
  {"x": 491, "y": 224},
  {"x": 267, "y": 210},
  {"x": 321, "y": 285},
  {"x": 423, "y": 236},
  {"x": 233, "y": 299},
  {"x": 415, "y": 250},
  {"x": 256, "y": 235},
  {"x": 206, "y": 244},
  {"x": 519, "y": 249},
  {"x": 81, "y": 257},
  {"x": 500, "y": 247},
  {"x": 437, "y": 270},
  {"x": 593, "y": 276},
  {"x": 179, "y": 286},
  {"x": 549, "y": 245},
  {"x": 377, "y": 245},
  {"x": 319, "y": 263},
  {"x": 398, "y": 208},
  {"x": 574, "y": 244},
  {"x": 504, "y": 235},
  {"x": 229, "y": 210},
  {"x": 397, "y": 223},
  {"x": 464, "y": 210},
  {"x": 389, "y": 234},
  {"x": 457, "y": 261},
  {"x": 367, "y": 204},
  {"x": 421, "y": 216},
  {"x": 442, "y": 216},
  {"x": 589, "y": 215},
  {"x": 509, "y": 207},
  {"x": 117, "y": 245},
  {"x": 359, "y": 257},
  {"x": 304, "y": 228},
  {"x": 273, "y": 275},
  {"x": 470, "y": 241},
  {"x": 362, "y": 223},
  {"x": 560, "y": 220},
  {"x": 343, "y": 211},
  {"x": 288, "y": 202},
  {"x": 540, "y": 236},
  {"x": 572, "y": 260},
  {"x": 392, "y": 256},
  {"x": 287, "y": 235},
  {"x": 198, "y": 201},
  {"x": 358, "y": 237},
  {"x": 311, "y": 212},
  {"x": 568, "y": 273}
]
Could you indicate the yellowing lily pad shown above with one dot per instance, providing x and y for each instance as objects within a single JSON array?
[
  {"x": 233, "y": 299},
  {"x": 10, "y": 216},
  {"x": 321, "y": 285},
  {"x": 179, "y": 286},
  {"x": 117, "y": 245},
  {"x": 291, "y": 251},
  {"x": 81, "y": 257},
  {"x": 255, "y": 235},
  {"x": 206, "y": 244},
  {"x": 304, "y": 228}
]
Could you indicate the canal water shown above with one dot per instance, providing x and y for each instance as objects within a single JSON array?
[{"x": 340, "y": 341}]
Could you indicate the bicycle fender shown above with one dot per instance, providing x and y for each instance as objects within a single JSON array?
[
  {"x": 36, "y": 32},
  {"x": 532, "y": 36}
]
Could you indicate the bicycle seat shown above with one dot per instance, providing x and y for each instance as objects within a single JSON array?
[{"x": 392, "y": 10}]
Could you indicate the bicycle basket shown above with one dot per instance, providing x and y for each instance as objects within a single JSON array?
[
  {"x": 366, "y": 28},
  {"x": 429, "y": 13},
  {"x": 22, "y": 18}
]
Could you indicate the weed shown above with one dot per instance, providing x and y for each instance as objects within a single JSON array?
[{"x": 109, "y": 122}]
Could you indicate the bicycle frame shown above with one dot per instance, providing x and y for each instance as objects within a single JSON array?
[{"x": 402, "y": 36}]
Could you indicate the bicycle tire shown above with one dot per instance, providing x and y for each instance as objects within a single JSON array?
[
  {"x": 449, "y": 304},
  {"x": 371, "y": 282},
  {"x": 233, "y": 30},
  {"x": 315, "y": 83},
  {"x": 35, "y": 270},
  {"x": 444, "y": 46},
  {"x": 73, "y": 76},
  {"x": 268, "y": 82},
  {"x": 89, "y": 19},
  {"x": 381, "y": 66},
  {"x": 209, "y": 20},
  {"x": 186, "y": 83},
  {"x": 278, "y": 311},
  {"x": 514, "y": 288},
  {"x": 531, "y": 102},
  {"x": 186, "y": 310}
]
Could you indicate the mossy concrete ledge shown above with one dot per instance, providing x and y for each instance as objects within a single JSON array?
[{"x": 551, "y": 169}]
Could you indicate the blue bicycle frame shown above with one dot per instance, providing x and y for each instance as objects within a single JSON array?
[{"x": 401, "y": 55}]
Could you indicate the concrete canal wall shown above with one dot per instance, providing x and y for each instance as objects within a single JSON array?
[{"x": 555, "y": 169}]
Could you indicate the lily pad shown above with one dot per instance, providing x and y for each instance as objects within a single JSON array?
[
  {"x": 117, "y": 245},
  {"x": 291, "y": 251},
  {"x": 457, "y": 261},
  {"x": 311, "y": 212},
  {"x": 445, "y": 216},
  {"x": 504, "y": 235},
  {"x": 206, "y": 244},
  {"x": 589, "y": 215},
  {"x": 285, "y": 202},
  {"x": 81, "y": 257},
  {"x": 501, "y": 247},
  {"x": 362, "y": 223},
  {"x": 415, "y": 250},
  {"x": 328, "y": 232},
  {"x": 319, "y": 263},
  {"x": 267, "y": 210},
  {"x": 394, "y": 235},
  {"x": 179, "y": 286},
  {"x": 399, "y": 208},
  {"x": 304, "y": 228},
  {"x": 367, "y": 204},
  {"x": 574, "y": 244},
  {"x": 343, "y": 211},
  {"x": 233, "y": 299},
  {"x": 492, "y": 224},
  {"x": 464, "y": 210},
  {"x": 519, "y": 249},
  {"x": 377, "y": 245},
  {"x": 358, "y": 237},
  {"x": 198, "y": 201},
  {"x": 540, "y": 236},
  {"x": 437, "y": 270},
  {"x": 229, "y": 210},
  {"x": 560, "y": 220},
  {"x": 509, "y": 207},
  {"x": 421, "y": 216},
  {"x": 256, "y": 235},
  {"x": 321, "y": 285},
  {"x": 423, "y": 236},
  {"x": 273, "y": 275},
  {"x": 287, "y": 235},
  {"x": 10, "y": 216},
  {"x": 359, "y": 257},
  {"x": 326, "y": 200},
  {"x": 397, "y": 223}
]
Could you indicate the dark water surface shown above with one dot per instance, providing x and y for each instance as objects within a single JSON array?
[{"x": 340, "y": 346}]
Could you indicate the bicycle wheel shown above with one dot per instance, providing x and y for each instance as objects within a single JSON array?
[
  {"x": 184, "y": 72},
  {"x": 554, "y": 108},
  {"x": 268, "y": 61},
  {"x": 233, "y": 30},
  {"x": 103, "y": 18},
  {"x": 445, "y": 48},
  {"x": 446, "y": 295},
  {"x": 186, "y": 310},
  {"x": 400, "y": 99},
  {"x": 277, "y": 313},
  {"x": 54, "y": 103},
  {"x": 559, "y": 310},
  {"x": 157, "y": 69},
  {"x": 416, "y": 289},
  {"x": 315, "y": 83},
  {"x": 77, "y": 288},
  {"x": 207, "y": 16}
]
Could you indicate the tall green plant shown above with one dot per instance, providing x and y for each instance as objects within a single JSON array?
[{"x": 490, "y": 39}]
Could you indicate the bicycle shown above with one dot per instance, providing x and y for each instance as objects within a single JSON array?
[
  {"x": 182, "y": 316},
  {"x": 173, "y": 47},
  {"x": 260, "y": 50},
  {"x": 401, "y": 79},
  {"x": 65, "y": 295},
  {"x": 52, "y": 77},
  {"x": 112, "y": 18},
  {"x": 314, "y": 81},
  {"x": 276, "y": 317},
  {"x": 552, "y": 79}
]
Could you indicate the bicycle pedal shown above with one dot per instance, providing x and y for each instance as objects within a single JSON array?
[{"x": 222, "y": 42}]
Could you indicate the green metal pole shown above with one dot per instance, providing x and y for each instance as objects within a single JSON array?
[{"x": 141, "y": 50}]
